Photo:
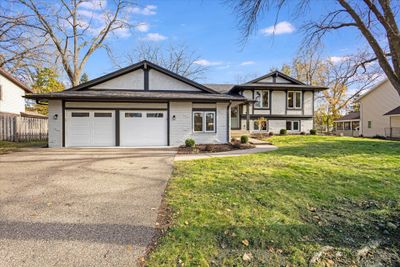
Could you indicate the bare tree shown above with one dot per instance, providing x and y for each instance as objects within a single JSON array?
[
  {"x": 75, "y": 29},
  {"x": 20, "y": 52},
  {"x": 376, "y": 21},
  {"x": 177, "y": 58}
]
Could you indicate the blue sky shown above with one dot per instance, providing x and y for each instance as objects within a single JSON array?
[{"x": 210, "y": 28}]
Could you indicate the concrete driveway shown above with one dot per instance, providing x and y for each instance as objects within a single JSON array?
[{"x": 80, "y": 207}]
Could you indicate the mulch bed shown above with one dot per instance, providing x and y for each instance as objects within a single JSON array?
[{"x": 212, "y": 148}]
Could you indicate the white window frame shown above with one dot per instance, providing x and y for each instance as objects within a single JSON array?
[
  {"x": 204, "y": 122},
  {"x": 292, "y": 123},
  {"x": 262, "y": 104},
  {"x": 258, "y": 125},
  {"x": 294, "y": 99}
]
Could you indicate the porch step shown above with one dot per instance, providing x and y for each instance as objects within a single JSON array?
[{"x": 254, "y": 141}]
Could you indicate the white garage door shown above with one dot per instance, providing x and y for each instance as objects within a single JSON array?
[
  {"x": 143, "y": 128},
  {"x": 89, "y": 128}
]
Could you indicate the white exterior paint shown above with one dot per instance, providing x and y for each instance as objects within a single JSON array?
[
  {"x": 374, "y": 104},
  {"x": 11, "y": 100},
  {"x": 276, "y": 125},
  {"x": 294, "y": 112},
  {"x": 308, "y": 104},
  {"x": 131, "y": 81},
  {"x": 266, "y": 80},
  {"x": 181, "y": 128},
  {"x": 306, "y": 125},
  {"x": 55, "y": 123},
  {"x": 89, "y": 131},
  {"x": 144, "y": 130},
  {"x": 281, "y": 80},
  {"x": 115, "y": 105},
  {"x": 278, "y": 102},
  {"x": 163, "y": 82}
]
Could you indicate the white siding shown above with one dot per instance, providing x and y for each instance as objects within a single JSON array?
[
  {"x": 278, "y": 99},
  {"x": 181, "y": 127},
  {"x": 294, "y": 112},
  {"x": 262, "y": 111},
  {"x": 131, "y": 81},
  {"x": 12, "y": 100},
  {"x": 281, "y": 80},
  {"x": 306, "y": 125},
  {"x": 112, "y": 105},
  {"x": 161, "y": 81},
  {"x": 308, "y": 103},
  {"x": 379, "y": 101},
  {"x": 276, "y": 125},
  {"x": 395, "y": 121},
  {"x": 266, "y": 80},
  {"x": 55, "y": 125}
]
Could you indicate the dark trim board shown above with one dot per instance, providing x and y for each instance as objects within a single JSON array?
[
  {"x": 63, "y": 122},
  {"x": 276, "y": 117},
  {"x": 168, "y": 123},
  {"x": 117, "y": 127}
]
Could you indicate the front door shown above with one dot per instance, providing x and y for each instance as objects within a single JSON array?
[{"x": 235, "y": 122}]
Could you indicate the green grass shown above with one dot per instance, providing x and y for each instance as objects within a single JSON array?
[
  {"x": 288, "y": 204},
  {"x": 6, "y": 146}
]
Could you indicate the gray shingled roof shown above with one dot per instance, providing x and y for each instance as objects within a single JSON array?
[
  {"x": 131, "y": 95},
  {"x": 395, "y": 111},
  {"x": 222, "y": 88},
  {"x": 349, "y": 117}
]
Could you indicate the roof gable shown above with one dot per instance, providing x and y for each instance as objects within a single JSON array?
[
  {"x": 275, "y": 77},
  {"x": 14, "y": 80},
  {"x": 143, "y": 75}
]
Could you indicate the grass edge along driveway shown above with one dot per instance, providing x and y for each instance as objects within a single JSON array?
[{"x": 315, "y": 201}]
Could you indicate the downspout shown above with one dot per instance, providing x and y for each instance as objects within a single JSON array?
[{"x": 228, "y": 127}]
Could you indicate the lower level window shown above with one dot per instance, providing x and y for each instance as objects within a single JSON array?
[
  {"x": 293, "y": 125},
  {"x": 369, "y": 124},
  {"x": 260, "y": 125},
  {"x": 204, "y": 121}
]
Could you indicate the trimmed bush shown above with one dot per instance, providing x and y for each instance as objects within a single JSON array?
[
  {"x": 190, "y": 142},
  {"x": 244, "y": 139},
  {"x": 313, "y": 132},
  {"x": 283, "y": 132},
  {"x": 303, "y": 133},
  {"x": 271, "y": 133}
]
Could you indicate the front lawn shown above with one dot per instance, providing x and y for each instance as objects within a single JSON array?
[
  {"x": 6, "y": 146},
  {"x": 316, "y": 200}
]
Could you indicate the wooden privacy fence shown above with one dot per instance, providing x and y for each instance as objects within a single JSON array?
[{"x": 16, "y": 128}]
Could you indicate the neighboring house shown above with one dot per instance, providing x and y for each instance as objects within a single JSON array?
[
  {"x": 12, "y": 92},
  {"x": 348, "y": 125},
  {"x": 380, "y": 111},
  {"x": 147, "y": 105}
]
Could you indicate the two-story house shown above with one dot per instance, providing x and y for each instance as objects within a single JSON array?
[
  {"x": 147, "y": 105},
  {"x": 275, "y": 101},
  {"x": 12, "y": 92}
]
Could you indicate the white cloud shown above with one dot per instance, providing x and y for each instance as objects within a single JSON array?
[
  {"x": 94, "y": 4},
  {"x": 146, "y": 10},
  {"x": 142, "y": 27},
  {"x": 336, "y": 60},
  {"x": 205, "y": 62},
  {"x": 245, "y": 63},
  {"x": 280, "y": 28},
  {"x": 122, "y": 32},
  {"x": 155, "y": 37}
]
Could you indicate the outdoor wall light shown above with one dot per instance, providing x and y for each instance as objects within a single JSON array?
[
  {"x": 173, "y": 117},
  {"x": 55, "y": 116}
]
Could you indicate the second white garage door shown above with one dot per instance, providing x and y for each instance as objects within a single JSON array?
[{"x": 143, "y": 128}]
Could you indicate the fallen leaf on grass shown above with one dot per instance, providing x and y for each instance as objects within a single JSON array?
[{"x": 245, "y": 242}]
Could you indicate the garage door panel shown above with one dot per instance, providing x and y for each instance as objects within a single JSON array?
[
  {"x": 143, "y": 128},
  {"x": 90, "y": 128}
]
